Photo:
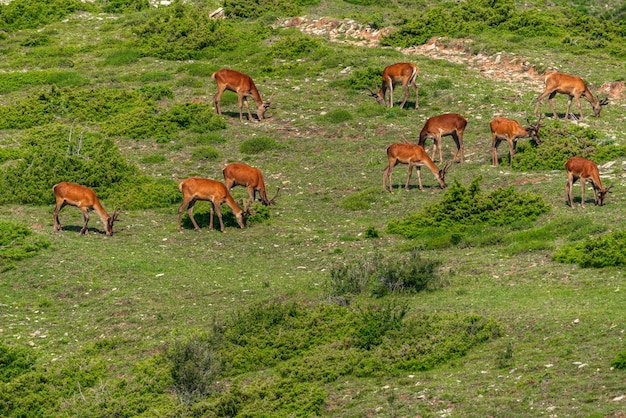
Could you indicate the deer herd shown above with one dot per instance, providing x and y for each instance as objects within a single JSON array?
[{"x": 436, "y": 127}]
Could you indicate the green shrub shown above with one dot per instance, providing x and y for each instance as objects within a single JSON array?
[
  {"x": 605, "y": 251},
  {"x": 14, "y": 361},
  {"x": 258, "y": 145},
  {"x": 372, "y": 232},
  {"x": 382, "y": 276},
  {"x": 157, "y": 92},
  {"x": 294, "y": 47},
  {"x": 28, "y": 14},
  {"x": 153, "y": 159},
  {"x": 259, "y": 214},
  {"x": 563, "y": 27},
  {"x": 559, "y": 143},
  {"x": 206, "y": 152},
  {"x": 18, "y": 81},
  {"x": 183, "y": 31},
  {"x": 55, "y": 153},
  {"x": 143, "y": 192},
  {"x": 275, "y": 358},
  {"x": 155, "y": 77},
  {"x": 120, "y": 6},
  {"x": 36, "y": 39},
  {"x": 121, "y": 57},
  {"x": 195, "y": 366},
  {"x": 374, "y": 322},
  {"x": 338, "y": 116},
  {"x": 360, "y": 200},
  {"x": 362, "y": 79},
  {"x": 150, "y": 122},
  {"x": 16, "y": 243},
  {"x": 470, "y": 206},
  {"x": 405, "y": 274},
  {"x": 620, "y": 360},
  {"x": 258, "y": 8}
]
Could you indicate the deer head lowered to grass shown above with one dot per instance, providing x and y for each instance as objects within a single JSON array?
[
  {"x": 414, "y": 156},
  {"x": 243, "y": 85},
  {"x": 402, "y": 72},
  {"x": 85, "y": 199},
  {"x": 584, "y": 169},
  {"x": 240, "y": 174},
  {"x": 197, "y": 188},
  {"x": 572, "y": 86}
]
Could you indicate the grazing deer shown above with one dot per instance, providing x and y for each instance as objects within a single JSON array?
[
  {"x": 575, "y": 88},
  {"x": 414, "y": 156},
  {"x": 510, "y": 130},
  {"x": 402, "y": 72},
  {"x": 584, "y": 169},
  {"x": 448, "y": 124},
  {"x": 244, "y": 87},
  {"x": 240, "y": 174},
  {"x": 84, "y": 199},
  {"x": 196, "y": 188}
]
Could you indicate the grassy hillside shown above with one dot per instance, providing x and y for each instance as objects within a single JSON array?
[{"x": 491, "y": 297}]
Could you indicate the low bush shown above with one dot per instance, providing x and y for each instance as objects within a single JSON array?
[
  {"x": 18, "y": 242},
  {"x": 18, "y": 81},
  {"x": 294, "y": 47},
  {"x": 14, "y": 361},
  {"x": 469, "y": 217},
  {"x": 620, "y": 360},
  {"x": 207, "y": 153},
  {"x": 559, "y": 143},
  {"x": 258, "y": 145},
  {"x": 183, "y": 31},
  {"x": 360, "y": 200},
  {"x": 338, "y": 116},
  {"x": 274, "y": 359},
  {"x": 255, "y": 9},
  {"x": 362, "y": 79},
  {"x": 120, "y": 6},
  {"x": 605, "y": 251},
  {"x": 381, "y": 276},
  {"x": 55, "y": 153},
  {"x": 121, "y": 57},
  {"x": 28, "y": 14}
]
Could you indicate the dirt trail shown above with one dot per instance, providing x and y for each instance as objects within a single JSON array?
[{"x": 515, "y": 70}]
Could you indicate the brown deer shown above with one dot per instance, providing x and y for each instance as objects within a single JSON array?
[
  {"x": 84, "y": 199},
  {"x": 584, "y": 169},
  {"x": 448, "y": 124},
  {"x": 572, "y": 86},
  {"x": 503, "y": 129},
  {"x": 197, "y": 188},
  {"x": 414, "y": 156},
  {"x": 240, "y": 174},
  {"x": 244, "y": 87},
  {"x": 402, "y": 72}
]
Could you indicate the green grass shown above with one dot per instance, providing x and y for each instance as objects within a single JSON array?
[{"x": 153, "y": 322}]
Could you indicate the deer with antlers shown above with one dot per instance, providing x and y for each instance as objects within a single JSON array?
[
  {"x": 243, "y": 85},
  {"x": 197, "y": 188},
  {"x": 503, "y": 129},
  {"x": 584, "y": 169},
  {"x": 414, "y": 156},
  {"x": 240, "y": 174},
  {"x": 402, "y": 72},
  {"x": 572, "y": 86},
  {"x": 448, "y": 124},
  {"x": 84, "y": 199}
]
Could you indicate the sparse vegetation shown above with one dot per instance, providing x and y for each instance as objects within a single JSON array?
[{"x": 340, "y": 299}]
